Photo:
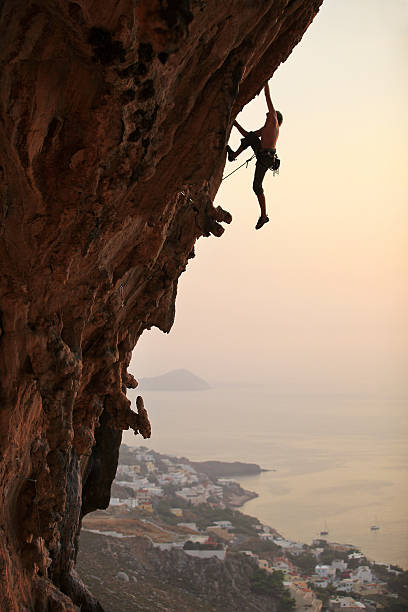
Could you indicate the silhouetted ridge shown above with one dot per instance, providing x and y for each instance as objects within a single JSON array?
[{"x": 175, "y": 380}]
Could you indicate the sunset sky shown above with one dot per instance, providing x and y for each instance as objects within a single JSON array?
[{"x": 317, "y": 300}]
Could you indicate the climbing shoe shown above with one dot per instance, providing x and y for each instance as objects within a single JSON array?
[
  {"x": 261, "y": 222},
  {"x": 230, "y": 154}
]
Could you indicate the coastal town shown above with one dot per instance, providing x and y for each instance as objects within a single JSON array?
[{"x": 176, "y": 505}]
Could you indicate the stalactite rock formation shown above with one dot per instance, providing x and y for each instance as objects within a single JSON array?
[{"x": 114, "y": 121}]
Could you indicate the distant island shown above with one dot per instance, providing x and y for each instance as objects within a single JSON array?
[{"x": 175, "y": 380}]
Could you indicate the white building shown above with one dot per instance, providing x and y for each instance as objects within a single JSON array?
[
  {"x": 356, "y": 555},
  {"x": 339, "y": 564},
  {"x": 285, "y": 544},
  {"x": 346, "y": 585},
  {"x": 143, "y": 495},
  {"x": 281, "y": 565},
  {"x": 215, "y": 490},
  {"x": 153, "y": 490},
  {"x": 266, "y": 536},
  {"x": 345, "y": 604},
  {"x": 137, "y": 483},
  {"x": 128, "y": 469},
  {"x": 193, "y": 495},
  {"x": 223, "y": 524},
  {"x": 130, "y": 502},
  {"x": 363, "y": 574},
  {"x": 321, "y": 583},
  {"x": 197, "y": 539},
  {"x": 167, "y": 545},
  {"x": 325, "y": 571}
]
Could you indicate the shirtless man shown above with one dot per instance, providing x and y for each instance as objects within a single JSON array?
[{"x": 263, "y": 142}]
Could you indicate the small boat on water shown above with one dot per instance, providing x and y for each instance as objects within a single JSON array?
[
  {"x": 374, "y": 526},
  {"x": 324, "y": 531}
]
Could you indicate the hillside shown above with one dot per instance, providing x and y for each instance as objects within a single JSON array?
[{"x": 156, "y": 580}]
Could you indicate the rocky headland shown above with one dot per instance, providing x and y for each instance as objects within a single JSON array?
[{"x": 227, "y": 469}]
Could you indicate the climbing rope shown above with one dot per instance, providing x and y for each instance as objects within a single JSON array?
[
  {"x": 225, "y": 177},
  {"x": 244, "y": 164}
]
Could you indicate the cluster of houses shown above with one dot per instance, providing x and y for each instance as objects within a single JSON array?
[
  {"x": 147, "y": 481},
  {"x": 343, "y": 579},
  {"x": 360, "y": 580},
  {"x": 299, "y": 589}
]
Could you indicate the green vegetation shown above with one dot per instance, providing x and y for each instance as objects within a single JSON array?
[
  {"x": 164, "y": 505},
  {"x": 306, "y": 561},
  {"x": 259, "y": 546},
  {"x": 206, "y": 516},
  {"x": 324, "y": 594},
  {"x": 266, "y": 548},
  {"x": 400, "y": 605},
  {"x": 398, "y": 584},
  {"x": 271, "y": 585},
  {"x": 328, "y": 556}
]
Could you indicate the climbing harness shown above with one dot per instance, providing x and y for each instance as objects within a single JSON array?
[
  {"x": 274, "y": 167},
  {"x": 244, "y": 164}
]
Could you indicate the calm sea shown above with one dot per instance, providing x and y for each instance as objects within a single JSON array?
[{"x": 339, "y": 462}]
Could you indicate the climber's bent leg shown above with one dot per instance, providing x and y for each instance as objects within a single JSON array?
[{"x": 250, "y": 140}]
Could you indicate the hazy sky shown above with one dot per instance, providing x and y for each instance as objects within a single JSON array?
[{"x": 316, "y": 301}]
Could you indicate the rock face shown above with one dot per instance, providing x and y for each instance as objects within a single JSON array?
[{"x": 114, "y": 120}]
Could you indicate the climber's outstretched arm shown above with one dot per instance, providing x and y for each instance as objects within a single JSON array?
[
  {"x": 240, "y": 129},
  {"x": 268, "y": 99}
]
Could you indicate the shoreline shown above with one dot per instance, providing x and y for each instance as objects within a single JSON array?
[
  {"x": 177, "y": 521},
  {"x": 315, "y": 536},
  {"x": 235, "y": 479}
]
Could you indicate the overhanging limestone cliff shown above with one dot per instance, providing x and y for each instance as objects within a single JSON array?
[{"x": 114, "y": 120}]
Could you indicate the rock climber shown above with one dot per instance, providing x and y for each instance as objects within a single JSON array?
[{"x": 263, "y": 143}]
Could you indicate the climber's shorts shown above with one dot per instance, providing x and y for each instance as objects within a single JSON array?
[
  {"x": 251, "y": 140},
  {"x": 264, "y": 161}
]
